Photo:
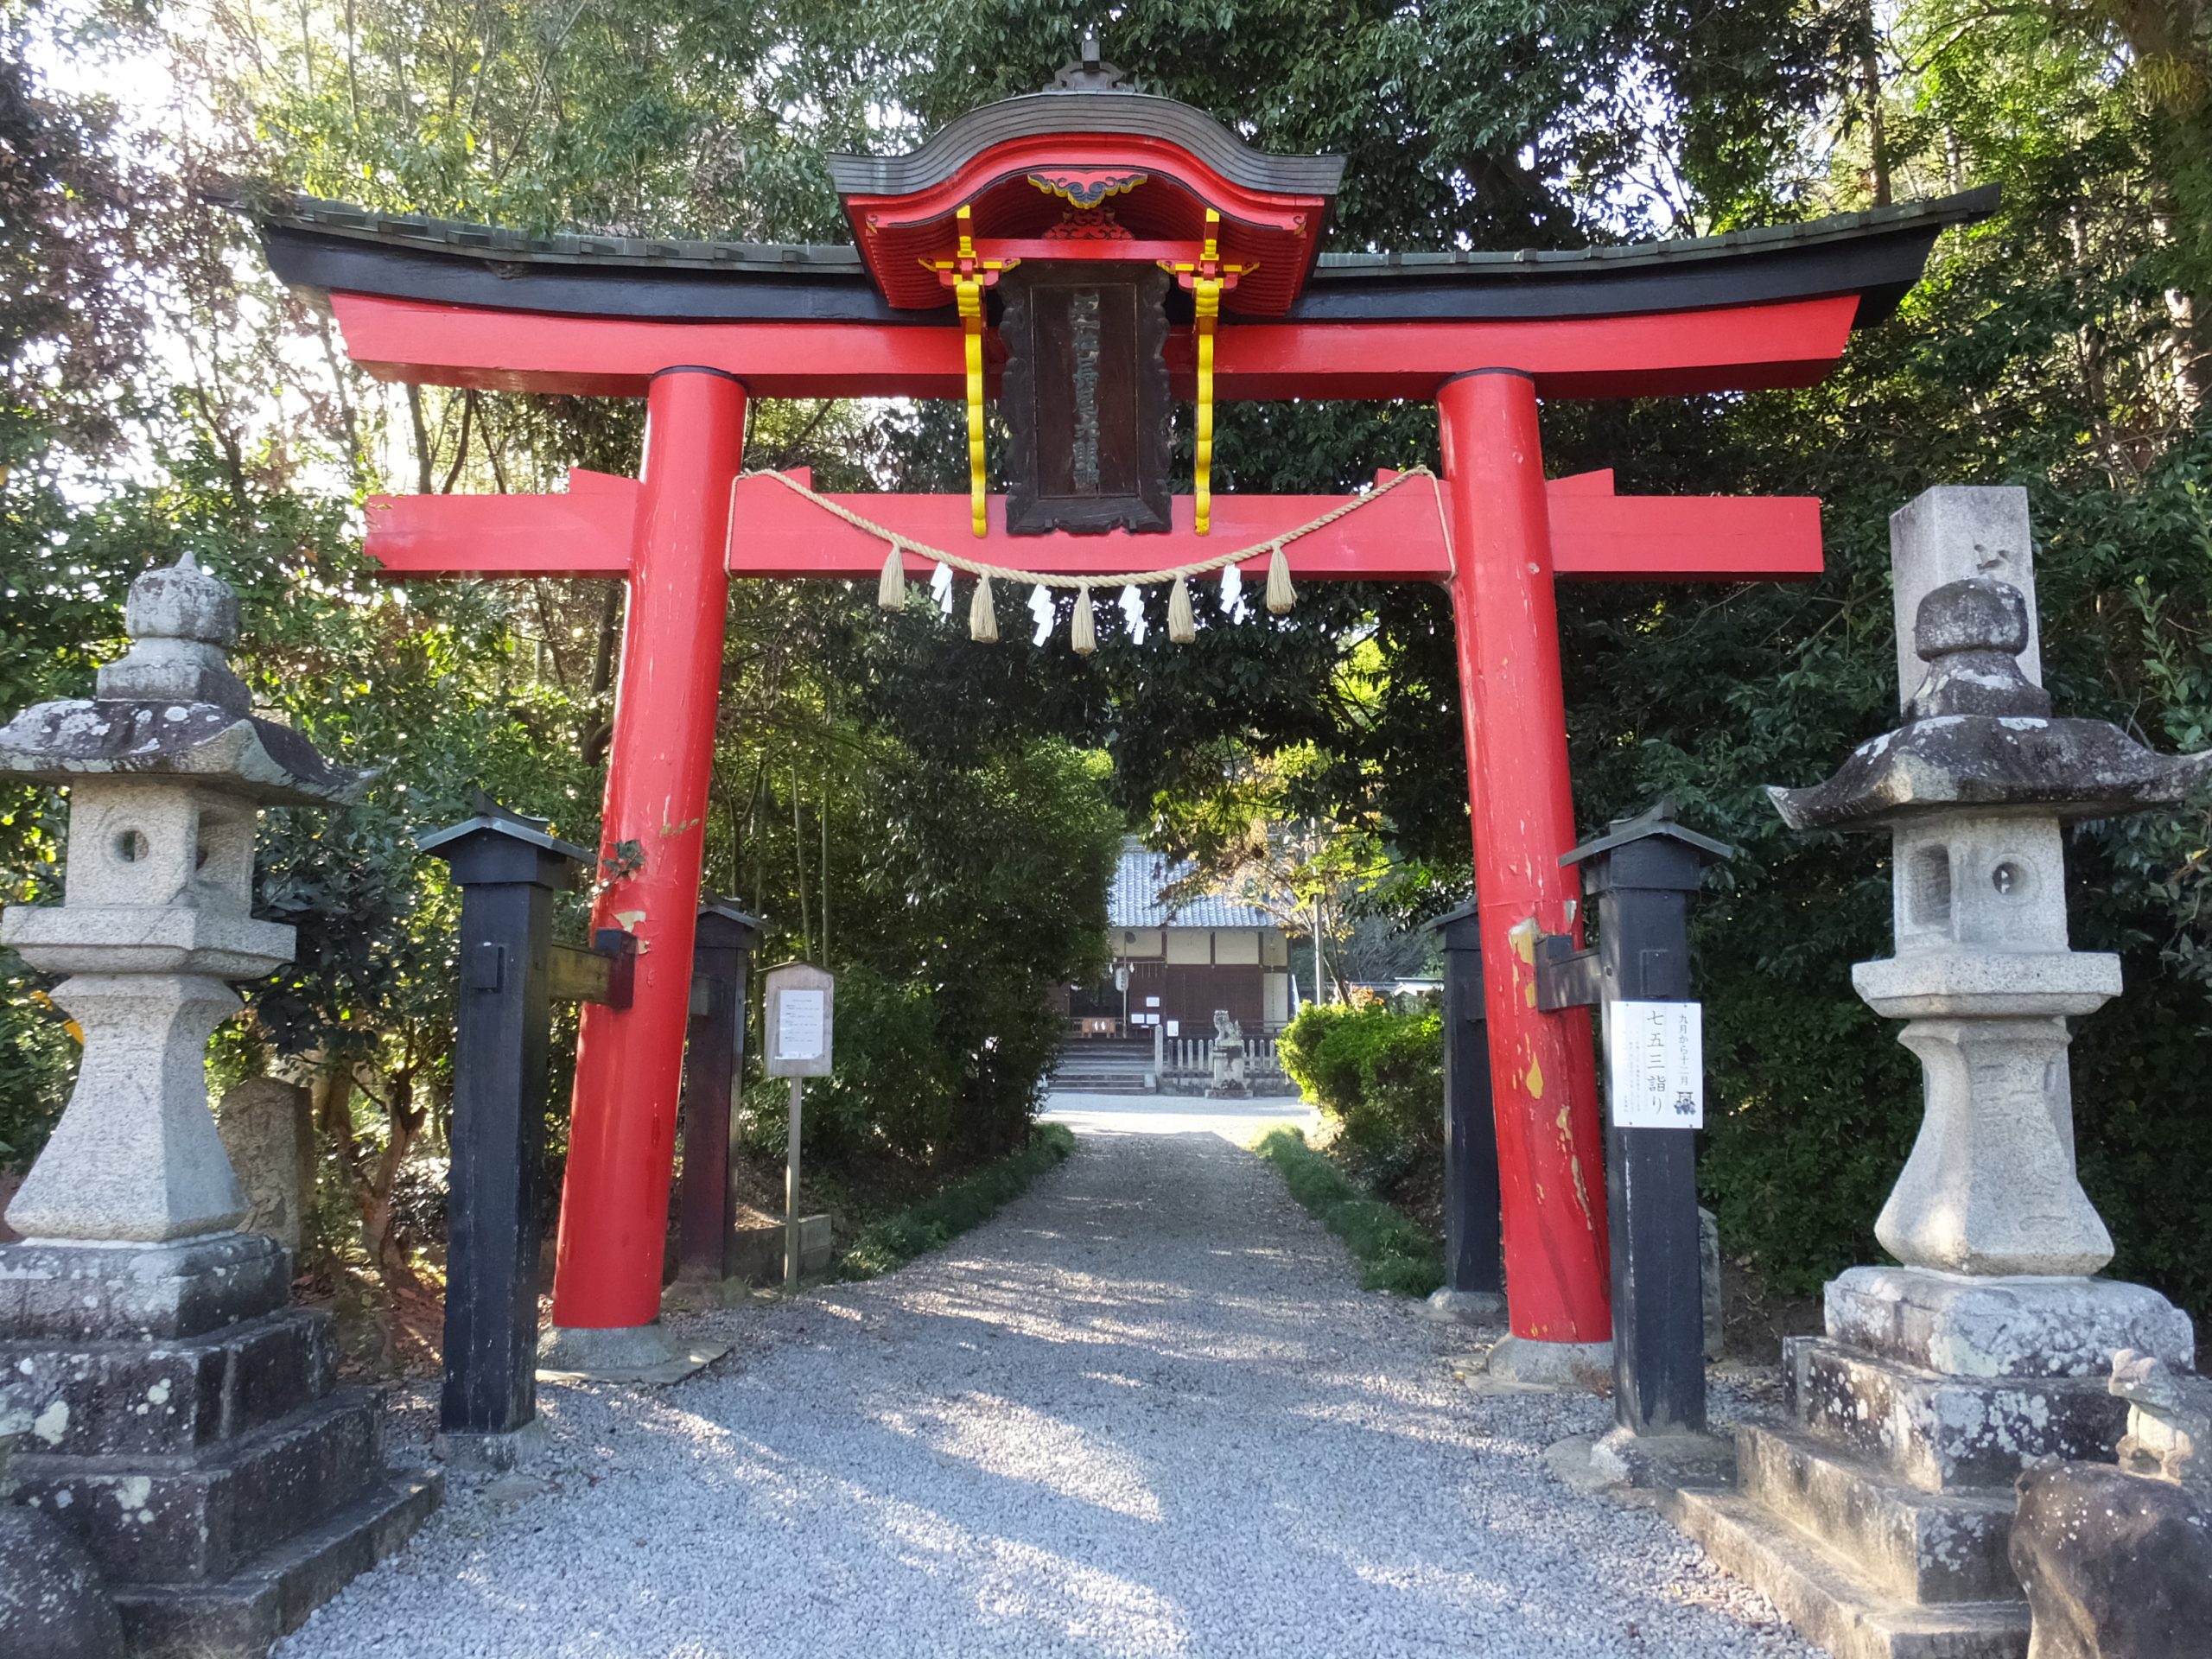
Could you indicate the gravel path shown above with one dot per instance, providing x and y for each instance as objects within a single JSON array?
[{"x": 1144, "y": 1411}]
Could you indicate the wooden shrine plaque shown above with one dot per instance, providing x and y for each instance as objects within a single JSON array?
[{"x": 1086, "y": 397}]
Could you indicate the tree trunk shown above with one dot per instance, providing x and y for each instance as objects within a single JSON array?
[{"x": 1878, "y": 146}]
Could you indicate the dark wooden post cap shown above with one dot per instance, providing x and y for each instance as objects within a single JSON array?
[
  {"x": 1650, "y": 851},
  {"x": 722, "y": 926},
  {"x": 497, "y": 846}
]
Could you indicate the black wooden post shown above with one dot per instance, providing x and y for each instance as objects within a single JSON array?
[
  {"x": 508, "y": 869},
  {"x": 1641, "y": 874},
  {"x": 714, "y": 1065},
  {"x": 1474, "y": 1265}
]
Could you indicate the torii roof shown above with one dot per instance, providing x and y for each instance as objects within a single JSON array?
[{"x": 322, "y": 247}]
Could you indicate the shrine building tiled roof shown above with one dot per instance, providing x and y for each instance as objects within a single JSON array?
[{"x": 1135, "y": 899}]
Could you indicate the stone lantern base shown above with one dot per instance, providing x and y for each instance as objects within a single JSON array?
[
  {"x": 184, "y": 1422},
  {"x": 1877, "y": 1520}
]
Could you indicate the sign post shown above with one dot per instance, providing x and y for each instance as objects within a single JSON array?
[
  {"x": 799, "y": 1019},
  {"x": 1642, "y": 873}
]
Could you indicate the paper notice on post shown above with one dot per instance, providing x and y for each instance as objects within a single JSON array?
[
  {"x": 1655, "y": 1065},
  {"x": 799, "y": 1025}
]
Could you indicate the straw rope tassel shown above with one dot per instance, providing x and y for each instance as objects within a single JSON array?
[
  {"x": 982, "y": 616},
  {"x": 1281, "y": 594},
  {"x": 891, "y": 587},
  {"x": 1182, "y": 626},
  {"x": 1082, "y": 633},
  {"x": 970, "y": 293},
  {"x": 1205, "y": 293}
]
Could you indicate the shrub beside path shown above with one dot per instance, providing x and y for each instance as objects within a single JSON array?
[{"x": 1145, "y": 1410}]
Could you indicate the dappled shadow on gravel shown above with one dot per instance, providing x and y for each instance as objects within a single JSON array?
[{"x": 1144, "y": 1411}]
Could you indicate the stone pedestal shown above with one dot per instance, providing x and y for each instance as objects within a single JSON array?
[
  {"x": 185, "y": 1426},
  {"x": 1877, "y": 1520}
]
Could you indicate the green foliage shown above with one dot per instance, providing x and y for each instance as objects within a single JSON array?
[
  {"x": 968, "y": 1202},
  {"x": 967, "y": 889},
  {"x": 1377, "y": 1068},
  {"x": 1393, "y": 1254}
]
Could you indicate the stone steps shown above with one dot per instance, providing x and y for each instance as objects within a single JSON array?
[
  {"x": 241, "y": 1617},
  {"x": 1828, "y": 1603},
  {"x": 126, "y": 1399},
  {"x": 1946, "y": 1434},
  {"x": 170, "y": 1521},
  {"x": 1918, "y": 1547}
]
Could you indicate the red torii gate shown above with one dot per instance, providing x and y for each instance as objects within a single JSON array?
[{"x": 696, "y": 328}]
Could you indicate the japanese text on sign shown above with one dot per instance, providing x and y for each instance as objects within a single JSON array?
[
  {"x": 1655, "y": 1061},
  {"x": 799, "y": 1025}
]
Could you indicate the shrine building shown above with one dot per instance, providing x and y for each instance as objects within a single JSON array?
[{"x": 1178, "y": 960}]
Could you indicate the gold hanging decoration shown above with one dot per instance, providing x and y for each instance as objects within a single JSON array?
[
  {"x": 1208, "y": 277},
  {"x": 891, "y": 586},
  {"x": 970, "y": 295},
  {"x": 967, "y": 276},
  {"x": 1205, "y": 293}
]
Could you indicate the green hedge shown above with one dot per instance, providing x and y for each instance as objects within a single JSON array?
[
  {"x": 937, "y": 1220},
  {"x": 1393, "y": 1254},
  {"x": 1377, "y": 1068}
]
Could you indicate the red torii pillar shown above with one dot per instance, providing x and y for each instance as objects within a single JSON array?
[
  {"x": 652, "y": 843},
  {"x": 1551, "y": 1149}
]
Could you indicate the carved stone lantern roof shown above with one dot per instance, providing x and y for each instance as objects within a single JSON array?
[
  {"x": 1981, "y": 734},
  {"x": 171, "y": 707}
]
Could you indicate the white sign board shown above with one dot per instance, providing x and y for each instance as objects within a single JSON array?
[
  {"x": 1655, "y": 1065},
  {"x": 799, "y": 1021}
]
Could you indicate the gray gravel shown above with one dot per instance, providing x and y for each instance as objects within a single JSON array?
[{"x": 1145, "y": 1410}]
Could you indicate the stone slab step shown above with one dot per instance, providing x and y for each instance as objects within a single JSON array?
[
  {"x": 1919, "y": 1547},
  {"x": 1827, "y": 1604},
  {"x": 1945, "y": 1434},
  {"x": 190, "y": 1520},
  {"x": 241, "y": 1617},
  {"x": 131, "y": 1399},
  {"x": 75, "y": 1293}
]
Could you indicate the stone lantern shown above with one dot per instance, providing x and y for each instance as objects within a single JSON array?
[
  {"x": 1989, "y": 1352},
  {"x": 1974, "y": 790},
  {"x": 173, "y": 1412},
  {"x": 165, "y": 768}
]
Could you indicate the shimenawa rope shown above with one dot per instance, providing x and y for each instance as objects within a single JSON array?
[{"x": 983, "y": 622}]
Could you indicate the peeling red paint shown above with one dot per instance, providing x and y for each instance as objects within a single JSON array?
[{"x": 1522, "y": 818}]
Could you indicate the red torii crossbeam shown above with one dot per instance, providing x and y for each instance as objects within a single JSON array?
[
  {"x": 591, "y": 530},
  {"x": 695, "y": 328}
]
